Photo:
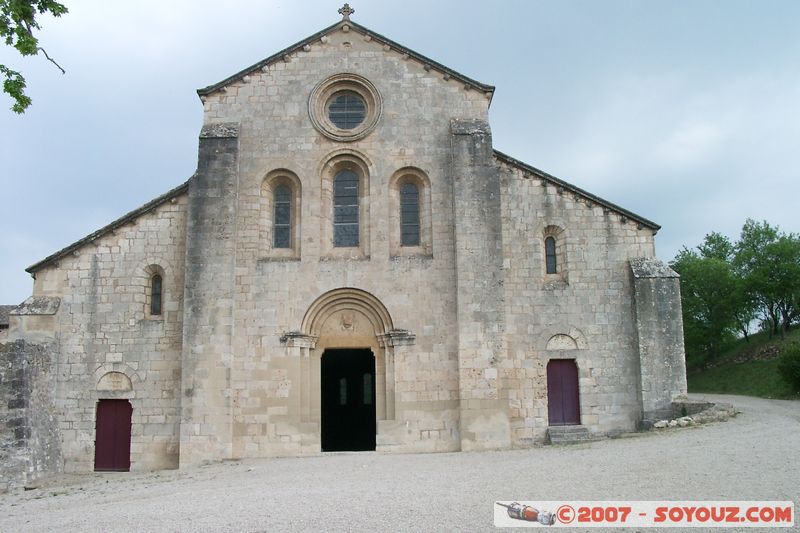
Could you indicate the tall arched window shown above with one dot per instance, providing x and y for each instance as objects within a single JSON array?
[
  {"x": 411, "y": 232},
  {"x": 345, "y": 208},
  {"x": 155, "y": 294},
  {"x": 550, "y": 255},
  {"x": 409, "y": 214},
  {"x": 282, "y": 219},
  {"x": 279, "y": 215}
]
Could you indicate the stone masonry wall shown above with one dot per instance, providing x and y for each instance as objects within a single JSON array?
[
  {"x": 273, "y": 291},
  {"x": 660, "y": 329},
  {"x": 208, "y": 321},
  {"x": 29, "y": 442},
  {"x": 480, "y": 295},
  {"x": 104, "y": 325},
  {"x": 587, "y": 306}
]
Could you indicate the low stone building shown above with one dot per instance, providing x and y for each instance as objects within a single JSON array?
[{"x": 353, "y": 266}]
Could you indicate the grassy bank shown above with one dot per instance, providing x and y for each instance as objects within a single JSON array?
[{"x": 747, "y": 368}]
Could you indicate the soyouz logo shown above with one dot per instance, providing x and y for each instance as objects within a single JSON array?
[{"x": 640, "y": 514}]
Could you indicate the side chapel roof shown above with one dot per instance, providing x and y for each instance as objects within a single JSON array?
[
  {"x": 508, "y": 160},
  {"x": 125, "y": 219}
]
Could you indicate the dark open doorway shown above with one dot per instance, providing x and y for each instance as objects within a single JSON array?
[
  {"x": 563, "y": 403},
  {"x": 112, "y": 445},
  {"x": 348, "y": 400}
]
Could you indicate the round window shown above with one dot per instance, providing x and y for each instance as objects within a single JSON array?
[{"x": 345, "y": 107}]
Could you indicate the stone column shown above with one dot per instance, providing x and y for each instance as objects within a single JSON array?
[
  {"x": 659, "y": 326},
  {"x": 395, "y": 347},
  {"x": 298, "y": 349},
  {"x": 206, "y": 409},
  {"x": 480, "y": 307}
]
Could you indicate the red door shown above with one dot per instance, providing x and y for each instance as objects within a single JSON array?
[
  {"x": 563, "y": 405},
  {"x": 112, "y": 446}
]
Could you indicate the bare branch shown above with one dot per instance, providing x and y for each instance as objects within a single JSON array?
[{"x": 53, "y": 61}]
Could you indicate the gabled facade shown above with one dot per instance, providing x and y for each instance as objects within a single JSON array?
[{"x": 352, "y": 267}]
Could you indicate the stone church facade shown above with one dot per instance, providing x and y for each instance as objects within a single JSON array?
[{"x": 352, "y": 267}]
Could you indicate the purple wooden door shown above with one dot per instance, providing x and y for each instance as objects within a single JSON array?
[
  {"x": 563, "y": 404},
  {"x": 112, "y": 446}
]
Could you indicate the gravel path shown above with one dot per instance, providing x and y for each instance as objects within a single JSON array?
[{"x": 753, "y": 456}]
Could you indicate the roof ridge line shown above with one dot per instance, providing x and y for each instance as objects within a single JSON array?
[
  {"x": 121, "y": 221},
  {"x": 361, "y": 29},
  {"x": 577, "y": 190}
]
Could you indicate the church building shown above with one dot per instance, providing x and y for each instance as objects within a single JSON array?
[{"x": 353, "y": 266}]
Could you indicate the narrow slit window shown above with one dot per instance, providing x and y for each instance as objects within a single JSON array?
[
  {"x": 282, "y": 221},
  {"x": 345, "y": 209},
  {"x": 155, "y": 295},
  {"x": 550, "y": 255},
  {"x": 409, "y": 214}
]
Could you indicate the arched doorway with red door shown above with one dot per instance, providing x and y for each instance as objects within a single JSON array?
[
  {"x": 563, "y": 398},
  {"x": 112, "y": 447}
]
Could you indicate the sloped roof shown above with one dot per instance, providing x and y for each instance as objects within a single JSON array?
[
  {"x": 364, "y": 31},
  {"x": 507, "y": 159},
  {"x": 279, "y": 56},
  {"x": 146, "y": 208},
  {"x": 183, "y": 188}
]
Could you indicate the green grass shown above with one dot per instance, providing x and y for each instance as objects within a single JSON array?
[
  {"x": 738, "y": 347},
  {"x": 754, "y": 378},
  {"x": 751, "y": 378},
  {"x": 758, "y": 341}
]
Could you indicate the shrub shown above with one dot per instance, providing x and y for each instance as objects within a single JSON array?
[{"x": 789, "y": 365}]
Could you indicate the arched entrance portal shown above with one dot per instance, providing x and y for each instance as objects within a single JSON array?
[
  {"x": 348, "y": 400},
  {"x": 346, "y": 346}
]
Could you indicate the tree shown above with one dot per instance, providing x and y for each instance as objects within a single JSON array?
[
  {"x": 717, "y": 246},
  {"x": 17, "y": 24},
  {"x": 768, "y": 262},
  {"x": 711, "y": 297}
]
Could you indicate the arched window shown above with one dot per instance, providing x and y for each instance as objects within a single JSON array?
[
  {"x": 409, "y": 214},
  {"x": 345, "y": 209},
  {"x": 550, "y": 255},
  {"x": 282, "y": 219},
  {"x": 279, "y": 215},
  {"x": 155, "y": 294}
]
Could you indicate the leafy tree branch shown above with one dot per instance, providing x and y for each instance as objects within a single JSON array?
[{"x": 17, "y": 26}]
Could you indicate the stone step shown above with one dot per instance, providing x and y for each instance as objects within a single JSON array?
[{"x": 567, "y": 434}]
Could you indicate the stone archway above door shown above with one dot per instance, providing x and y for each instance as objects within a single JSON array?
[
  {"x": 346, "y": 300},
  {"x": 347, "y": 318}
]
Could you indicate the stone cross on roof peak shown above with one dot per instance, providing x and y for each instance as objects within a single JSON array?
[{"x": 345, "y": 11}]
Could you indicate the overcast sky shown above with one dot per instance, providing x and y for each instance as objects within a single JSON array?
[{"x": 684, "y": 112}]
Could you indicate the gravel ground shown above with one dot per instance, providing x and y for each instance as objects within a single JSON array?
[{"x": 753, "y": 456}]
